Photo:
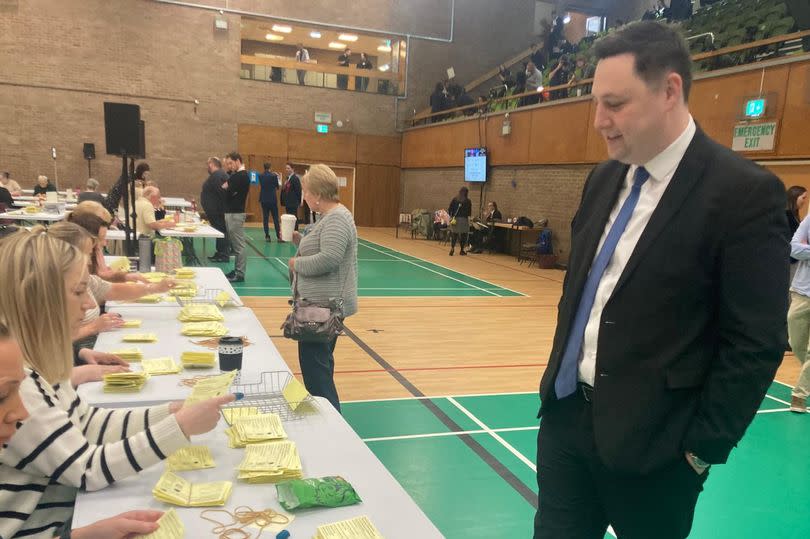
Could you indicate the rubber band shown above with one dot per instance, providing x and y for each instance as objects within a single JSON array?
[{"x": 241, "y": 518}]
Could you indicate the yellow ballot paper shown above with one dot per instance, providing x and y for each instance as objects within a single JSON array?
[
  {"x": 198, "y": 360},
  {"x": 204, "y": 329},
  {"x": 354, "y": 528},
  {"x": 131, "y": 324},
  {"x": 200, "y": 313},
  {"x": 124, "y": 382},
  {"x": 184, "y": 291},
  {"x": 129, "y": 354},
  {"x": 223, "y": 298},
  {"x": 209, "y": 388},
  {"x": 160, "y": 365},
  {"x": 252, "y": 429},
  {"x": 185, "y": 273},
  {"x": 140, "y": 337},
  {"x": 150, "y": 298},
  {"x": 119, "y": 263},
  {"x": 231, "y": 414},
  {"x": 193, "y": 457},
  {"x": 154, "y": 276},
  {"x": 270, "y": 463},
  {"x": 294, "y": 393},
  {"x": 171, "y": 488},
  {"x": 171, "y": 527}
]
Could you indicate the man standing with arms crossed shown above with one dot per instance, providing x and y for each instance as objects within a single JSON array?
[
  {"x": 291, "y": 192},
  {"x": 672, "y": 321},
  {"x": 236, "y": 192}
]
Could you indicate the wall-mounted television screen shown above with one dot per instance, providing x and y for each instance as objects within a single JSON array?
[{"x": 475, "y": 164}]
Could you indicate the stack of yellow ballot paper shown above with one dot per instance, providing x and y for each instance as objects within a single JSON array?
[
  {"x": 131, "y": 324},
  {"x": 223, "y": 298},
  {"x": 184, "y": 289},
  {"x": 150, "y": 298},
  {"x": 119, "y": 263},
  {"x": 209, "y": 388},
  {"x": 270, "y": 463},
  {"x": 354, "y": 528},
  {"x": 198, "y": 360},
  {"x": 124, "y": 382},
  {"x": 160, "y": 365},
  {"x": 171, "y": 488},
  {"x": 204, "y": 329},
  {"x": 204, "y": 312},
  {"x": 185, "y": 273},
  {"x": 171, "y": 527},
  {"x": 154, "y": 276},
  {"x": 255, "y": 429},
  {"x": 231, "y": 414},
  {"x": 140, "y": 337},
  {"x": 193, "y": 457},
  {"x": 129, "y": 354}
]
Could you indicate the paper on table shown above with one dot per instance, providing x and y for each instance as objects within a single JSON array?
[
  {"x": 231, "y": 414},
  {"x": 354, "y": 528},
  {"x": 131, "y": 324},
  {"x": 140, "y": 337},
  {"x": 160, "y": 365},
  {"x": 129, "y": 354},
  {"x": 171, "y": 488},
  {"x": 211, "y": 387},
  {"x": 294, "y": 393},
  {"x": 200, "y": 313},
  {"x": 193, "y": 457},
  {"x": 198, "y": 360},
  {"x": 171, "y": 527},
  {"x": 204, "y": 329},
  {"x": 124, "y": 382},
  {"x": 270, "y": 463}
]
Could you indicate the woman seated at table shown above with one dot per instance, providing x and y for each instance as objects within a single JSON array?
[
  {"x": 485, "y": 237},
  {"x": 43, "y": 186},
  {"x": 65, "y": 444}
]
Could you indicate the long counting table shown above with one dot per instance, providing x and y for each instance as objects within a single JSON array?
[{"x": 326, "y": 444}]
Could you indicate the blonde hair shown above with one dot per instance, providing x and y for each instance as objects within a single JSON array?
[
  {"x": 321, "y": 180},
  {"x": 35, "y": 306},
  {"x": 93, "y": 208}
]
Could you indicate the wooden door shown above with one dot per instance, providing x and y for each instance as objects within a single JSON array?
[{"x": 345, "y": 191}]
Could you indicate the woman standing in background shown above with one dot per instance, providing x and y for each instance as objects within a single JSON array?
[{"x": 460, "y": 210}]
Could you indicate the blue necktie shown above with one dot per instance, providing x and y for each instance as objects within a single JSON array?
[{"x": 566, "y": 382}]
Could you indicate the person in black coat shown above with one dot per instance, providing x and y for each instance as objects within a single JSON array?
[
  {"x": 671, "y": 324},
  {"x": 43, "y": 186},
  {"x": 438, "y": 102},
  {"x": 268, "y": 181},
  {"x": 361, "y": 83},
  {"x": 460, "y": 210},
  {"x": 212, "y": 200},
  {"x": 291, "y": 192}
]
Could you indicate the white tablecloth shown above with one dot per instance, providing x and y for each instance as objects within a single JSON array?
[
  {"x": 41, "y": 216},
  {"x": 176, "y": 202},
  {"x": 207, "y": 279},
  {"x": 203, "y": 231}
]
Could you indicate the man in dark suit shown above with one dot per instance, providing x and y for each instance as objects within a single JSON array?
[
  {"x": 672, "y": 321},
  {"x": 268, "y": 181},
  {"x": 291, "y": 192},
  {"x": 212, "y": 199}
]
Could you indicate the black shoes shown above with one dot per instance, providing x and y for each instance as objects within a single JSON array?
[
  {"x": 451, "y": 252},
  {"x": 268, "y": 239},
  {"x": 236, "y": 278}
]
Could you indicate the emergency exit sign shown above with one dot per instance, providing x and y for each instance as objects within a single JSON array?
[{"x": 754, "y": 137}]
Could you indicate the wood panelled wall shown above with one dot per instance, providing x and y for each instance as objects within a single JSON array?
[
  {"x": 375, "y": 160},
  {"x": 564, "y": 134}
]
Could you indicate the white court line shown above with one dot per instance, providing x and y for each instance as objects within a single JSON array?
[
  {"x": 436, "y": 272},
  {"x": 777, "y": 400},
  {"x": 495, "y": 435},
  {"x": 783, "y": 384},
  {"x": 773, "y": 411},
  {"x": 451, "y": 433},
  {"x": 280, "y": 261}
]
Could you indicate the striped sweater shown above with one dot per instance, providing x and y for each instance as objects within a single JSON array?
[
  {"x": 326, "y": 262},
  {"x": 66, "y": 445}
]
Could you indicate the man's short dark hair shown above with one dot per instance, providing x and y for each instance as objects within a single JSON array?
[
  {"x": 215, "y": 161},
  {"x": 658, "y": 50},
  {"x": 267, "y": 166},
  {"x": 234, "y": 156}
]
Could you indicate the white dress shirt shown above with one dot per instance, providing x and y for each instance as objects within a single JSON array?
[{"x": 661, "y": 168}]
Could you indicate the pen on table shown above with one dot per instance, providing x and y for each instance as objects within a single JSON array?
[{"x": 283, "y": 534}]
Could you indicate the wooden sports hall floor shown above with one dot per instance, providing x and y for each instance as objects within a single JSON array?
[{"x": 441, "y": 385}]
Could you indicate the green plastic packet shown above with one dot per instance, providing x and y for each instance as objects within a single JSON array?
[{"x": 316, "y": 492}]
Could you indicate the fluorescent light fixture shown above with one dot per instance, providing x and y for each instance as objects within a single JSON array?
[
  {"x": 384, "y": 67},
  {"x": 540, "y": 89},
  {"x": 384, "y": 48},
  {"x": 315, "y": 34},
  {"x": 274, "y": 37},
  {"x": 336, "y": 45},
  {"x": 281, "y": 28},
  {"x": 567, "y": 18},
  {"x": 347, "y": 37}
]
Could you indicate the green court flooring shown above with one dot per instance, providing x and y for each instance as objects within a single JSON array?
[
  {"x": 456, "y": 473},
  {"x": 382, "y": 272}
]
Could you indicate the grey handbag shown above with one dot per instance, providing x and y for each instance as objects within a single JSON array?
[{"x": 312, "y": 321}]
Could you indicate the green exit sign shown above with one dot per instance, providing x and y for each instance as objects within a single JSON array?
[
  {"x": 754, "y": 108},
  {"x": 322, "y": 128}
]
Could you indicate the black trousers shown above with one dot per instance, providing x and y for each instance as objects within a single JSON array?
[
  {"x": 293, "y": 210},
  {"x": 268, "y": 209},
  {"x": 317, "y": 362},
  {"x": 579, "y": 496},
  {"x": 217, "y": 221}
]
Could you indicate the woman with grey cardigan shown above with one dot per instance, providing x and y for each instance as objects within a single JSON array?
[{"x": 326, "y": 269}]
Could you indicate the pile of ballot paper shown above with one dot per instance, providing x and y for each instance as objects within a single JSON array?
[
  {"x": 124, "y": 382},
  {"x": 354, "y": 528},
  {"x": 129, "y": 354},
  {"x": 270, "y": 463},
  {"x": 185, "y": 273},
  {"x": 255, "y": 429},
  {"x": 192, "y": 457},
  {"x": 160, "y": 365},
  {"x": 200, "y": 312},
  {"x": 232, "y": 413},
  {"x": 140, "y": 337},
  {"x": 184, "y": 291},
  {"x": 223, "y": 299},
  {"x": 150, "y": 298},
  {"x": 215, "y": 386},
  {"x": 204, "y": 329},
  {"x": 198, "y": 360},
  {"x": 131, "y": 324},
  {"x": 154, "y": 276},
  {"x": 171, "y": 488},
  {"x": 170, "y": 527}
]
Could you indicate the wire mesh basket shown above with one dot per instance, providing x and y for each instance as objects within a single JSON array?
[
  {"x": 266, "y": 395},
  {"x": 206, "y": 296}
]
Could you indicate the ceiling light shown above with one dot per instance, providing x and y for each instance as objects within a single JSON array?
[
  {"x": 384, "y": 48},
  {"x": 336, "y": 45},
  {"x": 282, "y": 28},
  {"x": 274, "y": 37},
  {"x": 347, "y": 37},
  {"x": 315, "y": 34},
  {"x": 567, "y": 18},
  {"x": 385, "y": 67}
]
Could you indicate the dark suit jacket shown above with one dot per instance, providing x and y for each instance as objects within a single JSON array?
[
  {"x": 291, "y": 195},
  {"x": 695, "y": 329},
  {"x": 269, "y": 184},
  {"x": 91, "y": 195},
  {"x": 213, "y": 197}
]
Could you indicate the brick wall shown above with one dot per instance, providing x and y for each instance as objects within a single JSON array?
[{"x": 550, "y": 192}]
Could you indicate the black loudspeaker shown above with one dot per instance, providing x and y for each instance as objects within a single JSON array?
[
  {"x": 141, "y": 153},
  {"x": 121, "y": 128},
  {"x": 89, "y": 150}
]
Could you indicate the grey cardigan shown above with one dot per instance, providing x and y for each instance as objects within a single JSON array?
[{"x": 327, "y": 258}]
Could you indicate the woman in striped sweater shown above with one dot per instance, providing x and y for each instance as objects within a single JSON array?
[{"x": 65, "y": 444}]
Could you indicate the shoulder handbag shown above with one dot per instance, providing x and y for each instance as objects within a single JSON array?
[{"x": 312, "y": 321}]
